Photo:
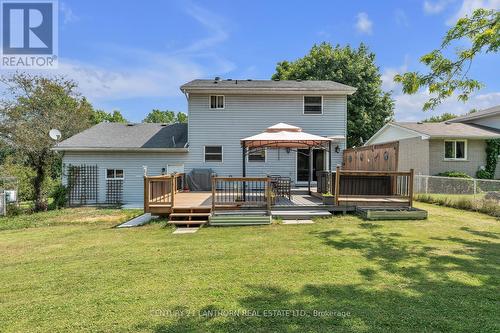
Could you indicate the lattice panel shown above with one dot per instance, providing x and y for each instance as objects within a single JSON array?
[
  {"x": 114, "y": 191},
  {"x": 83, "y": 184}
]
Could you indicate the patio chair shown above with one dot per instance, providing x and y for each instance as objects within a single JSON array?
[{"x": 282, "y": 186}]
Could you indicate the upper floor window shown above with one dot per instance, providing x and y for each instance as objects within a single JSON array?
[
  {"x": 257, "y": 155},
  {"x": 114, "y": 174},
  {"x": 213, "y": 153},
  {"x": 217, "y": 102},
  {"x": 455, "y": 149},
  {"x": 313, "y": 105}
]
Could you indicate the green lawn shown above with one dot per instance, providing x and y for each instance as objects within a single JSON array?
[{"x": 71, "y": 271}]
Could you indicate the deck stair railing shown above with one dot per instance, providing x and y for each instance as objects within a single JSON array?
[
  {"x": 247, "y": 192},
  {"x": 159, "y": 191}
]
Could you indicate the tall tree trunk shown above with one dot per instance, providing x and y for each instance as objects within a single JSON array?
[{"x": 40, "y": 202}]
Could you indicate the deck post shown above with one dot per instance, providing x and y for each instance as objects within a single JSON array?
[
  {"x": 410, "y": 187},
  {"x": 214, "y": 183},
  {"x": 268, "y": 194},
  {"x": 311, "y": 158},
  {"x": 337, "y": 185},
  {"x": 244, "y": 161},
  {"x": 146, "y": 194},
  {"x": 172, "y": 190}
]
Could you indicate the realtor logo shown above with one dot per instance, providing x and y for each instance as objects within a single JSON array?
[{"x": 29, "y": 34}]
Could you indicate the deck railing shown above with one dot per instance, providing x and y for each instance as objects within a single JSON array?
[
  {"x": 159, "y": 191},
  {"x": 350, "y": 183},
  {"x": 247, "y": 192}
]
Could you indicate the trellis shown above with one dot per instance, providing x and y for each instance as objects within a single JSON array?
[
  {"x": 114, "y": 191},
  {"x": 83, "y": 184}
]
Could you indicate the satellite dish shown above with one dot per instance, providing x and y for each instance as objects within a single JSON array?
[{"x": 55, "y": 134}]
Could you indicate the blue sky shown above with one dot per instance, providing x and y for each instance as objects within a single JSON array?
[{"x": 133, "y": 56}]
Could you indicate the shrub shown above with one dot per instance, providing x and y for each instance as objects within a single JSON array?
[
  {"x": 13, "y": 210},
  {"x": 60, "y": 196},
  {"x": 453, "y": 174},
  {"x": 483, "y": 174},
  {"x": 481, "y": 204}
]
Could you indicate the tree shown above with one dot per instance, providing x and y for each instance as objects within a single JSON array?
[
  {"x": 32, "y": 107},
  {"x": 181, "y": 118},
  {"x": 369, "y": 108},
  {"x": 99, "y": 116},
  {"x": 438, "y": 119},
  {"x": 447, "y": 76},
  {"x": 165, "y": 117}
]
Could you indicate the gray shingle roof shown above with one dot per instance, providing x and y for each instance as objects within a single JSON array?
[
  {"x": 479, "y": 114},
  {"x": 125, "y": 136},
  {"x": 451, "y": 130},
  {"x": 267, "y": 85}
]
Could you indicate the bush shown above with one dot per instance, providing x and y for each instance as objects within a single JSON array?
[
  {"x": 483, "y": 174},
  {"x": 481, "y": 204},
  {"x": 454, "y": 174},
  {"x": 60, "y": 196},
  {"x": 13, "y": 210}
]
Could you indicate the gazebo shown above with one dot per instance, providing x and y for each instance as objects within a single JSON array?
[{"x": 287, "y": 136}]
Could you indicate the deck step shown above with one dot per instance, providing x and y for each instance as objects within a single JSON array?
[
  {"x": 189, "y": 214},
  {"x": 230, "y": 220},
  {"x": 195, "y": 222},
  {"x": 299, "y": 214}
]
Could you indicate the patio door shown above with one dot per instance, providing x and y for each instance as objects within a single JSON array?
[{"x": 303, "y": 164}]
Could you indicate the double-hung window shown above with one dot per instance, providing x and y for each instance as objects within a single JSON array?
[
  {"x": 313, "y": 105},
  {"x": 217, "y": 102},
  {"x": 257, "y": 155},
  {"x": 213, "y": 153},
  {"x": 455, "y": 149},
  {"x": 114, "y": 174}
]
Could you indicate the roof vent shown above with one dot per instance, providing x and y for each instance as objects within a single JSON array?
[
  {"x": 130, "y": 124},
  {"x": 447, "y": 123},
  {"x": 230, "y": 79},
  {"x": 276, "y": 79},
  {"x": 164, "y": 125},
  {"x": 249, "y": 79},
  {"x": 419, "y": 122},
  {"x": 217, "y": 78},
  {"x": 298, "y": 80}
]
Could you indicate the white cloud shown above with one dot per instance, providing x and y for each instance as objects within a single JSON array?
[
  {"x": 468, "y": 6},
  {"x": 435, "y": 7},
  {"x": 401, "y": 18},
  {"x": 136, "y": 73},
  {"x": 363, "y": 23},
  {"x": 67, "y": 12}
]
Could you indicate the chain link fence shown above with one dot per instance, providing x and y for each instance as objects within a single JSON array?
[{"x": 464, "y": 193}]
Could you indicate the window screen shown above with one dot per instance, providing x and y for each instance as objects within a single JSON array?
[
  {"x": 217, "y": 102},
  {"x": 257, "y": 155},
  {"x": 213, "y": 154},
  {"x": 313, "y": 105}
]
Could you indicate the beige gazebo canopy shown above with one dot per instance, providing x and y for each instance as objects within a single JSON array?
[{"x": 286, "y": 136}]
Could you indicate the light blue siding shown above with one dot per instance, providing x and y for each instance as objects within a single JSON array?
[
  {"x": 132, "y": 165},
  {"x": 247, "y": 115}
]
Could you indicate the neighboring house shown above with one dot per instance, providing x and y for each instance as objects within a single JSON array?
[
  {"x": 221, "y": 113},
  {"x": 455, "y": 145}
]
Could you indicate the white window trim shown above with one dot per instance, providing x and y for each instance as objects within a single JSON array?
[
  {"x": 205, "y": 154},
  {"x": 265, "y": 157},
  {"x": 304, "y": 105},
  {"x": 216, "y": 108},
  {"x": 114, "y": 178},
  {"x": 453, "y": 158}
]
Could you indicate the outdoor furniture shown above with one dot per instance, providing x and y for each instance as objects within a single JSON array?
[{"x": 282, "y": 186}]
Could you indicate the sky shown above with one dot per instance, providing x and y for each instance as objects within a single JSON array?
[{"x": 132, "y": 56}]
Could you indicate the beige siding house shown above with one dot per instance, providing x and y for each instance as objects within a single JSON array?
[{"x": 455, "y": 145}]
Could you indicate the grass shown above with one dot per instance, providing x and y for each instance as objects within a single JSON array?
[
  {"x": 77, "y": 273},
  {"x": 470, "y": 202}
]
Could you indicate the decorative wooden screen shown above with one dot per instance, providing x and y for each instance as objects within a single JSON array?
[
  {"x": 382, "y": 157},
  {"x": 114, "y": 191},
  {"x": 83, "y": 184}
]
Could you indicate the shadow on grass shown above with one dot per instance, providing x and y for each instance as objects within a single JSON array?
[{"x": 433, "y": 292}]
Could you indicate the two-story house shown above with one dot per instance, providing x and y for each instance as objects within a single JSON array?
[{"x": 221, "y": 113}]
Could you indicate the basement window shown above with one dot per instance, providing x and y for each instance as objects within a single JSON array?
[
  {"x": 213, "y": 153},
  {"x": 455, "y": 150},
  {"x": 313, "y": 105},
  {"x": 217, "y": 101},
  {"x": 114, "y": 174}
]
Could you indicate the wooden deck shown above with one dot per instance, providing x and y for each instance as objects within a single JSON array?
[{"x": 193, "y": 199}]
